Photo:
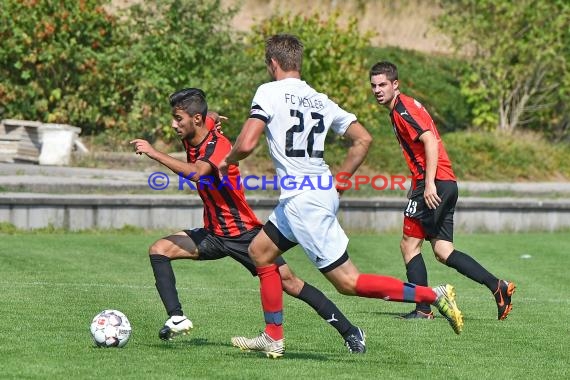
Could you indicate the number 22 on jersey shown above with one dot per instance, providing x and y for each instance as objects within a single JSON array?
[{"x": 318, "y": 128}]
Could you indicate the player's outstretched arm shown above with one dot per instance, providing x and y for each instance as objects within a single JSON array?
[{"x": 192, "y": 170}]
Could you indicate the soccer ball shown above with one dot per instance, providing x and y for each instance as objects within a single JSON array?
[{"x": 110, "y": 328}]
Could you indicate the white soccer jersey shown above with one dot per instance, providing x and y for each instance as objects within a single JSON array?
[{"x": 297, "y": 120}]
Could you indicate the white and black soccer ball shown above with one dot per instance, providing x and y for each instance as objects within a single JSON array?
[{"x": 110, "y": 328}]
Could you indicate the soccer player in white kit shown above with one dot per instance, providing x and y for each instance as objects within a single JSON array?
[{"x": 295, "y": 119}]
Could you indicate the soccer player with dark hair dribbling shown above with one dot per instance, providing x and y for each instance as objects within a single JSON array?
[
  {"x": 295, "y": 119},
  {"x": 433, "y": 195},
  {"x": 229, "y": 222}
]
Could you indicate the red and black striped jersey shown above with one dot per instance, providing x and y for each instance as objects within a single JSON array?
[
  {"x": 410, "y": 119},
  {"x": 226, "y": 211}
]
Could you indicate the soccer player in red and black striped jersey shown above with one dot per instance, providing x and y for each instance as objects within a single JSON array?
[
  {"x": 229, "y": 222},
  {"x": 433, "y": 193}
]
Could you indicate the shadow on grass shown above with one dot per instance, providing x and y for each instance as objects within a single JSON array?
[
  {"x": 388, "y": 313},
  {"x": 288, "y": 355},
  {"x": 183, "y": 343},
  {"x": 466, "y": 316},
  {"x": 232, "y": 351}
]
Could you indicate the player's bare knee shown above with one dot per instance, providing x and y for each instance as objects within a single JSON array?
[
  {"x": 254, "y": 253},
  {"x": 409, "y": 249},
  {"x": 259, "y": 256},
  {"x": 166, "y": 247},
  {"x": 442, "y": 249},
  {"x": 159, "y": 247}
]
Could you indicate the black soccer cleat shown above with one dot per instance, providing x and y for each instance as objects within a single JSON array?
[
  {"x": 356, "y": 342},
  {"x": 503, "y": 295}
]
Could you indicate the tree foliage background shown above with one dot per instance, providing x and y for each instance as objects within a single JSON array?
[
  {"x": 518, "y": 56},
  {"x": 74, "y": 62},
  {"x": 60, "y": 62},
  {"x": 110, "y": 72}
]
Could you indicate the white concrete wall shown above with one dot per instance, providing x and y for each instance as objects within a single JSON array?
[{"x": 78, "y": 212}]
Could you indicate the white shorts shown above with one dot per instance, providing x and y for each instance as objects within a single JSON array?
[{"x": 309, "y": 218}]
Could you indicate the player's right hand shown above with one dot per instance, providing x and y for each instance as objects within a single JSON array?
[
  {"x": 430, "y": 195},
  {"x": 142, "y": 146}
]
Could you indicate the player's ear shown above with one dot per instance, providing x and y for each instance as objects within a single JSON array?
[
  {"x": 395, "y": 84},
  {"x": 272, "y": 64},
  {"x": 198, "y": 119}
]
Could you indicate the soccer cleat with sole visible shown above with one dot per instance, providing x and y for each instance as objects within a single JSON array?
[
  {"x": 174, "y": 326},
  {"x": 417, "y": 314},
  {"x": 445, "y": 303},
  {"x": 272, "y": 348},
  {"x": 503, "y": 295},
  {"x": 356, "y": 342}
]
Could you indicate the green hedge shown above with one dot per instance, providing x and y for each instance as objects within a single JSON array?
[
  {"x": 59, "y": 62},
  {"x": 497, "y": 156}
]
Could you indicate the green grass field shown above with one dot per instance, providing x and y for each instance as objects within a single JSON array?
[{"x": 51, "y": 285}]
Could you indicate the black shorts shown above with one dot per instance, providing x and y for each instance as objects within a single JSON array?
[
  {"x": 436, "y": 223},
  {"x": 214, "y": 247}
]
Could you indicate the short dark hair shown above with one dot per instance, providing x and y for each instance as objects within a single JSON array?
[
  {"x": 190, "y": 100},
  {"x": 286, "y": 49},
  {"x": 386, "y": 68}
]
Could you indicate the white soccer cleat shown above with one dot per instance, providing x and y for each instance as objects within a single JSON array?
[
  {"x": 273, "y": 348},
  {"x": 174, "y": 326}
]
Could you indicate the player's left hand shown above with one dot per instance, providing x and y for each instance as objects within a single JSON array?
[
  {"x": 218, "y": 120},
  {"x": 430, "y": 195}
]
